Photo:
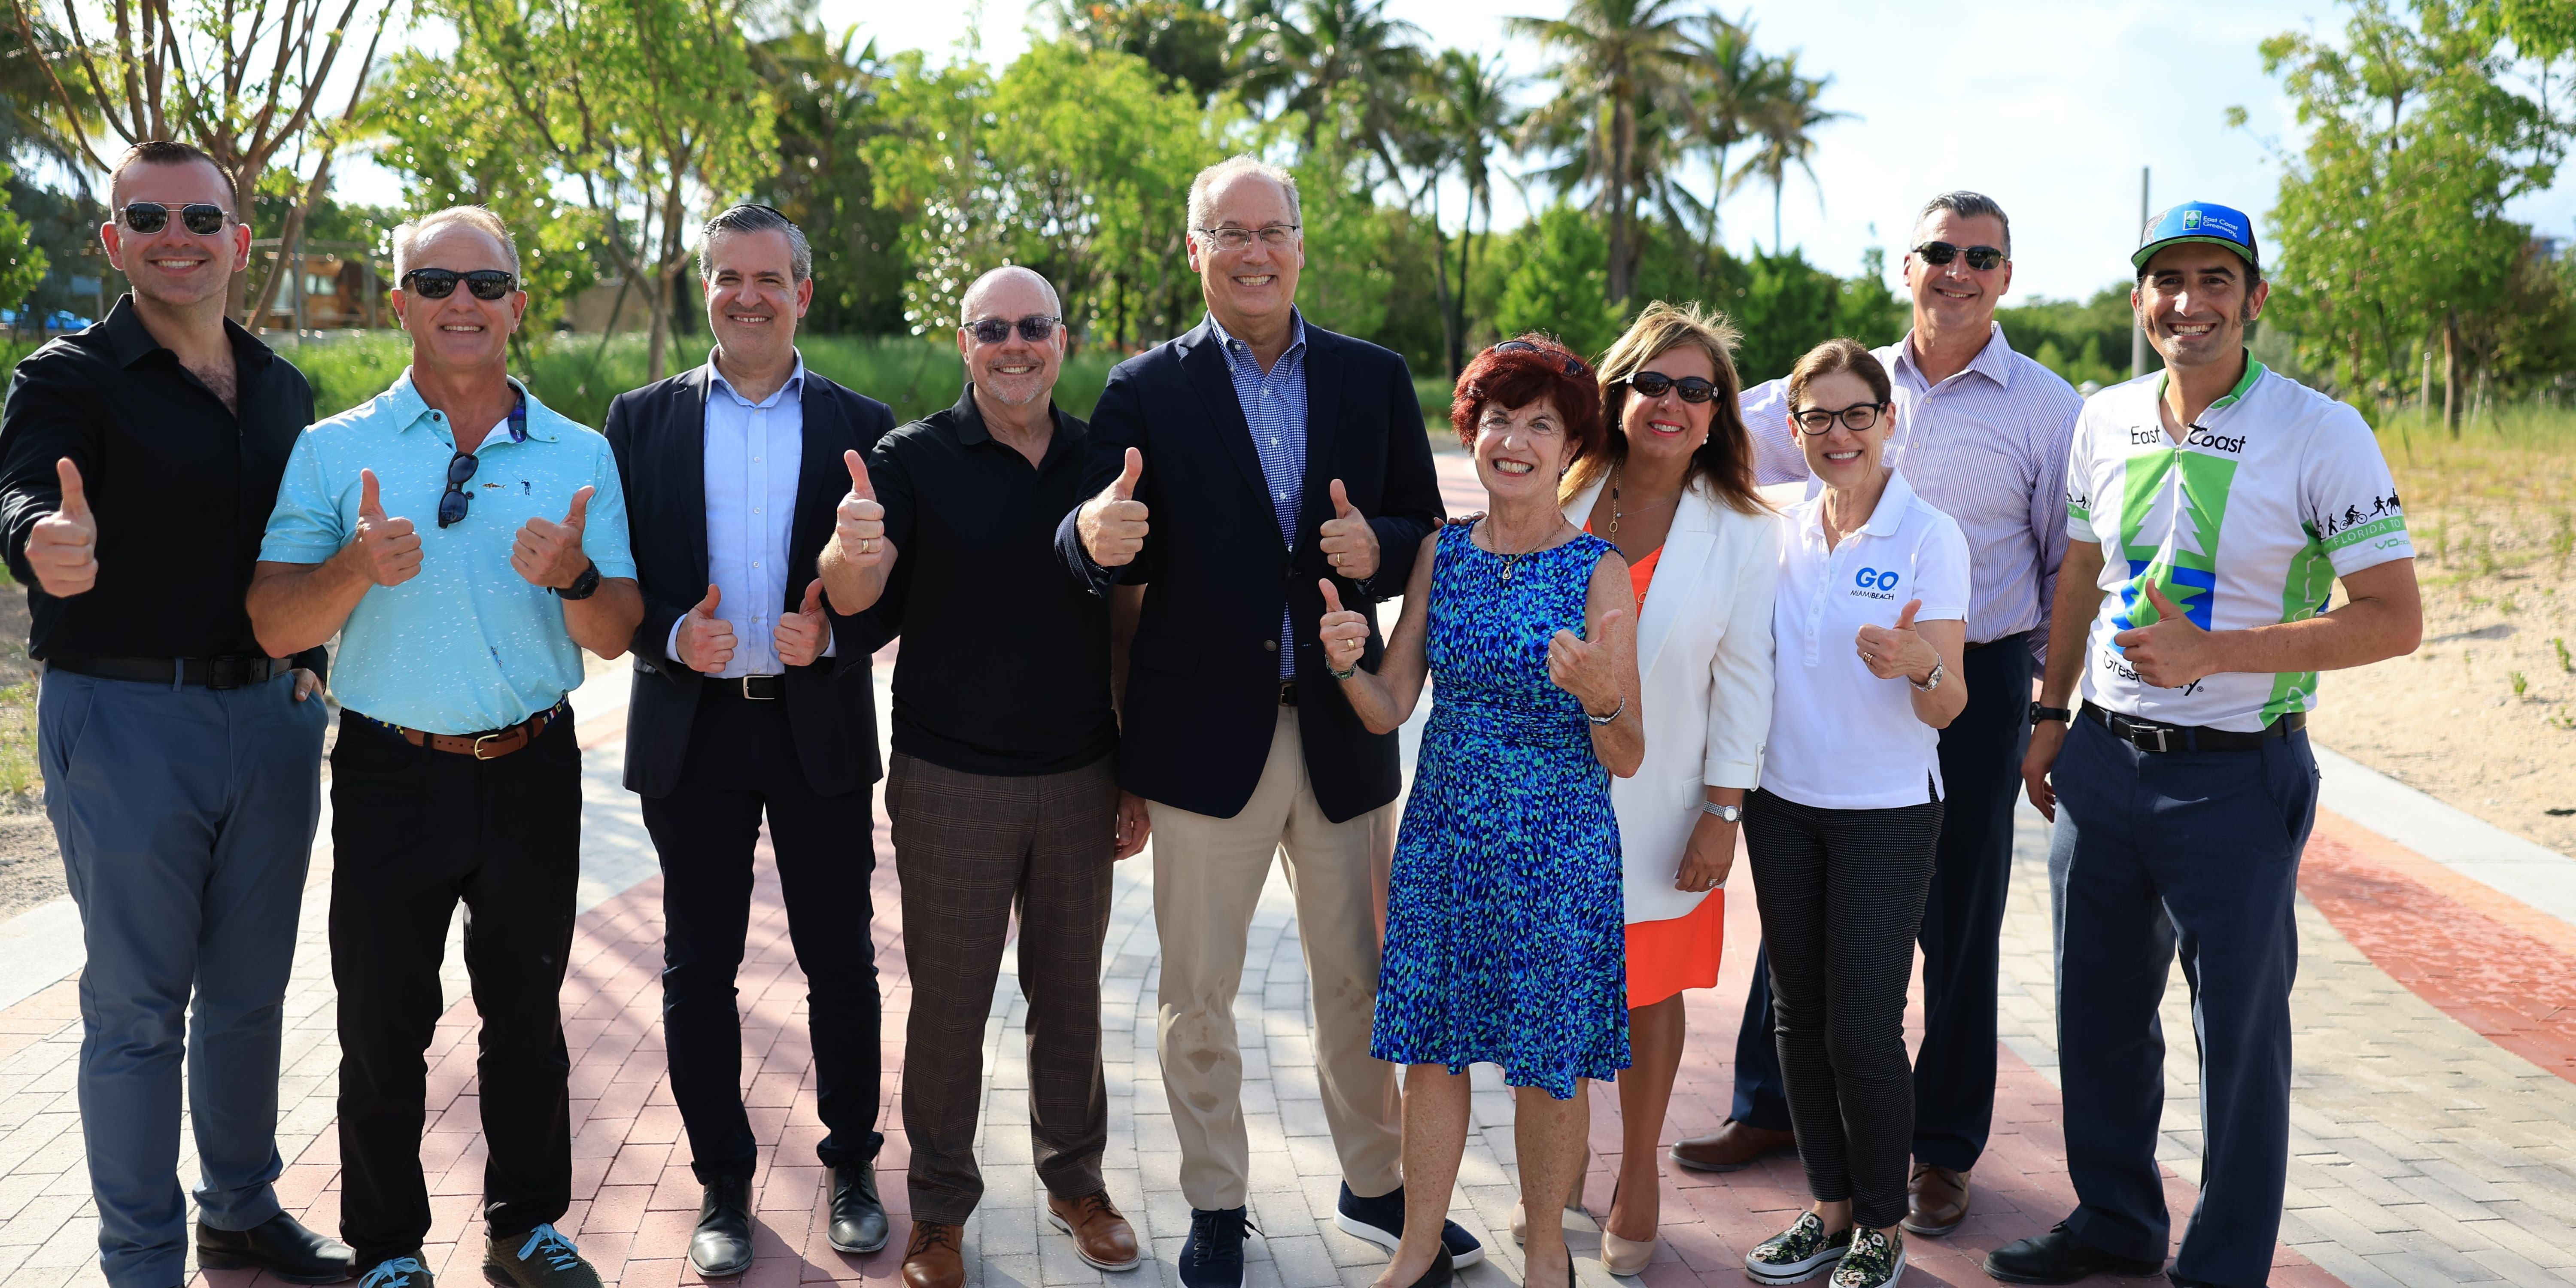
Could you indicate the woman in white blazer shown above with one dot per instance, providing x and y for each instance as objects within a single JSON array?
[{"x": 1675, "y": 493}]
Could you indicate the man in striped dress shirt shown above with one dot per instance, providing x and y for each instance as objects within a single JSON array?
[{"x": 1981, "y": 433}]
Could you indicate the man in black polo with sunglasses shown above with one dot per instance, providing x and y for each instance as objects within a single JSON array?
[
  {"x": 1982, "y": 434},
  {"x": 455, "y": 775},
  {"x": 138, "y": 459}
]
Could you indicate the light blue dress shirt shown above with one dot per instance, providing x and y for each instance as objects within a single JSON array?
[
  {"x": 1274, "y": 406},
  {"x": 754, "y": 454},
  {"x": 467, "y": 645}
]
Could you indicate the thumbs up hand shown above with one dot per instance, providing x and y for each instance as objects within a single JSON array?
[
  {"x": 859, "y": 524},
  {"x": 1344, "y": 633},
  {"x": 1112, "y": 525},
  {"x": 804, "y": 634},
  {"x": 2173, "y": 651},
  {"x": 704, "y": 641},
  {"x": 548, "y": 553},
  {"x": 63, "y": 546},
  {"x": 1349, "y": 543},
  {"x": 1899, "y": 651},
  {"x": 386, "y": 550},
  {"x": 1589, "y": 669}
]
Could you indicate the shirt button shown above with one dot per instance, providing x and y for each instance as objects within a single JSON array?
[
  {"x": 1269, "y": 646},
  {"x": 755, "y": 563},
  {"x": 755, "y": 509}
]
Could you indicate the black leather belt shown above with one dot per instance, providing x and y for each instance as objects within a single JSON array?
[
  {"x": 2156, "y": 736},
  {"x": 2018, "y": 637},
  {"x": 756, "y": 688},
  {"x": 208, "y": 672},
  {"x": 1287, "y": 693}
]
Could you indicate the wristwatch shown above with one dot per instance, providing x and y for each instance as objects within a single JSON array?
[
  {"x": 2059, "y": 714},
  {"x": 1725, "y": 813},
  {"x": 1940, "y": 670},
  {"x": 583, "y": 586}
]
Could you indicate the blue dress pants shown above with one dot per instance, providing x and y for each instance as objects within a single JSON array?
[
  {"x": 2193, "y": 854},
  {"x": 186, "y": 818}
]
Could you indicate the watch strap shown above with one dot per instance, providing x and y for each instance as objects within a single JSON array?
[{"x": 2062, "y": 715}]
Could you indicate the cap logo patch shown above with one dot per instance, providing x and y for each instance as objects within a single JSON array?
[{"x": 2190, "y": 220}]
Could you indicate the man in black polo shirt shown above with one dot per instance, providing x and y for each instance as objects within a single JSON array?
[
  {"x": 1003, "y": 789},
  {"x": 138, "y": 463}
]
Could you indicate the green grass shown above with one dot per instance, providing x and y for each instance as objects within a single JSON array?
[{"x": 2499, "y": 498}]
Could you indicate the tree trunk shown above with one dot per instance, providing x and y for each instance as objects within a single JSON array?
[
  {"x": 2451, "y": 372},
  {"x": 237, "y": 291},
  {"x": 1623, "y": 144}
]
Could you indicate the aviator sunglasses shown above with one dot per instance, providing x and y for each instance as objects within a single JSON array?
[
  {"x": 204, "y": 218},
  {"x": 1653, "y": 384},
  {"x": 1980, "y": 258},
  {"x": 1035, "y": 329},
  {"x": 439, "y": 283}
]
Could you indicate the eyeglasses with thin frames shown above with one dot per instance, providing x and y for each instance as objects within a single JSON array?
[
  {"x": 1231, "y": 239},
  {"x": 204, "y": 218},
  {"x": 1818, "y": 422},
  {"x": 1035, "y": 328}
]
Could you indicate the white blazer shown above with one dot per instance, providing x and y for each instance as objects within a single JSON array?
[{"x": 1704, "y": 665}]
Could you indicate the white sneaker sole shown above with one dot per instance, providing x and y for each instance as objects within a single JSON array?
[
  {"x": 1390, "y": 1240},
  {"x": 1813, "y": 1268}
]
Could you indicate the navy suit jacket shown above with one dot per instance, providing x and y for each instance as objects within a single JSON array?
[
  {"x": 659, "y": 433},
  {"x": 1202, "y": 698}
]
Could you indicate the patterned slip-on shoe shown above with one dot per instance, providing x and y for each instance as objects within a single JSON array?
[
  {"x": 1797, "y": 1253},
  {"x": 1876, "y": 1260}
]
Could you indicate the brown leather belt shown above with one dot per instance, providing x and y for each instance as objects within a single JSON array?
[{"x": 481, "y": 746}]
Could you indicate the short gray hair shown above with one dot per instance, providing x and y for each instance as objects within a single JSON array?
[
  {"x": 751, "y": 217},
  {"x": 479, "y": 218},
  {"x": 1241, "y": 163},
  {"x": 1967, "y": 205}
]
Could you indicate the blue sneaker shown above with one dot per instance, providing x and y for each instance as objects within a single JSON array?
[
  {"x": 1212, "y": 1256},
  {"x": 396, "y": 1272},
  {"x": 1381, "y": 1221}
]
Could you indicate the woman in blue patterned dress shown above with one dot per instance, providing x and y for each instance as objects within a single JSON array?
[{"x": 1504, "y": 928}]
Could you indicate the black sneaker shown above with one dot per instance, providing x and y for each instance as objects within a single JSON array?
[
  {"x": 1212, "y": 1255},
  {"x": 396, "y": 1272},
  {"x": 1381, "y": 1221},
  {"x": 1876, "y": 1260},
  {"x": 541, "y": 1258},
  {"x": 1798, "y": 1252}
]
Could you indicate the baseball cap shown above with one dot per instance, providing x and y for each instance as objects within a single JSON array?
[{"x": 2199, "y": 221}]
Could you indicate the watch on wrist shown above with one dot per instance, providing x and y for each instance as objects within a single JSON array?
[
  {"x": 1725, "y": 813},
  {"x": 583, "y": 586},
  {"x": 2059, "y": 714},
  {"x": 1940, "y": 670}
]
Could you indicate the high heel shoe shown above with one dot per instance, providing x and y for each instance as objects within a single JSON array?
[
  {"x": 1573, "y": 1199},
  {"x": 1624, "y": 1257}
]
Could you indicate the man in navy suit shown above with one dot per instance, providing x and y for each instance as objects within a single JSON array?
[
  {"x": 752, "y": 699},
  {"x": 1231, "y": 470}
]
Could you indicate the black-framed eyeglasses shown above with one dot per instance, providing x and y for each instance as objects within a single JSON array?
[
  {"x": 453, "y": 502},
  {"x": 1980, "y": 258},
  {"x": 1653, "y": 384},
  {"x": 204, "y": 218},
  {"x": 439, "y": 283},
  {"x": 1818, "y": 422},
  {"x": 1573, "y": 365},
  {"x": 1035, "y": 328},
  {"x": 1230, "y": 238}
]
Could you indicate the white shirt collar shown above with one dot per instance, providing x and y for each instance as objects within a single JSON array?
[{"x": 793, "y": 389}]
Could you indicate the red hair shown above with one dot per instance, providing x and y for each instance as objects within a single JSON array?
[{"x": 1519, "y": 376}]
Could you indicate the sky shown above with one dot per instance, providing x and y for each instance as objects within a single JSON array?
[{"x": 2049, "y": 106}]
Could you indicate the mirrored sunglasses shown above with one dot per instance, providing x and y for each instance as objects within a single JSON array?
[
  {"x": 1034, "y": 329},
  {"x": 1980, "y": 258},
  {"x": 439, "y": 283},
  {"x": 204, "y": 218}
]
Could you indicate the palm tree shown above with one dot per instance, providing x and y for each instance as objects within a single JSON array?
[
  {"x": 1304, "y": 55},
  {"x": 1725, "y": 99},
  {"x": 1474, "y": 117},
  {"x": 1785, "y": 122},
  {"x": 1620, "y": 63}
]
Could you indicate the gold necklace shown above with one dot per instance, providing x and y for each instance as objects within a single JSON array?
[{"x": 1512, "y": 560}]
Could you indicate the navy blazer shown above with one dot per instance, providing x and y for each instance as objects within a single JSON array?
[
  {"x": 1202, "y": 698},
  {"x": 659, "y": 433}
]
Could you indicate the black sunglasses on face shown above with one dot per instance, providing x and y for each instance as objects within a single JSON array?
[
  {"x": 452, "y": 503},
  {"x": 1573, "y": 366},
  {"x": 1033, "y": 329},
  {"x": 1653, "y": 384},
  {"x": 1818, "y": 422},
  {"x": 1980, "y": 258},
  {"x": 204, "y": 218},
  {"x": 439, "y": 283}
]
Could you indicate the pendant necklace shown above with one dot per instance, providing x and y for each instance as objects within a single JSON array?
[
  {"x": 1614, "y": 505},
  {"x": 1511, "y": 560}
]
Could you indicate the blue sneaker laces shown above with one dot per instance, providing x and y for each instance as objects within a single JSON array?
[
  {"x": 1203, "y": 1230},
  {"x": 547, "y": 1242},
  {"x": 391, "y": 1271}
]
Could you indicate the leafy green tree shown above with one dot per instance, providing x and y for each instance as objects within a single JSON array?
[
  {"x": 1557, "y": 283},
  {"x": 1622, "y": 70},
  {"x": 2078, "y": 339},
  {"x": 1785, "y": 307},
  {"x": 1867, "y": 309},
  {"x": 828, "y": 108},
  {"x": 22, "y": 263},
  {"x": 1185, "y": 40},
  {"x": 1341, "y": 63}
]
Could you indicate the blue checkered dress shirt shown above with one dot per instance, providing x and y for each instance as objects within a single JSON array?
[{"x": 1274, "y": 405}]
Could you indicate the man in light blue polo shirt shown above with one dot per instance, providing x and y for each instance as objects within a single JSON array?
[{"x": 455, "y": 775}]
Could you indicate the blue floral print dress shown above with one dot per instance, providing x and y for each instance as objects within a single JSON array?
[{"x": 1505, "y": 935}]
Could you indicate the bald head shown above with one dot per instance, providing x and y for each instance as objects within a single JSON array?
[
  {"x": 1012, "y": 371},
  {"x": 1012, "y": 291}
]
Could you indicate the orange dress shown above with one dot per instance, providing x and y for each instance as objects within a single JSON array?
[{"x": 1665, "y": 957}]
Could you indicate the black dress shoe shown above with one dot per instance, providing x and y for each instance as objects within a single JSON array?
[
  {"x": 2058, "y": 1257},
  {"x": 858, "y": 1218},
  {"x": 1444, "y": 1268},
  {"x": 721, "y": 1246},
  {"x": 281, "y": 1246}
]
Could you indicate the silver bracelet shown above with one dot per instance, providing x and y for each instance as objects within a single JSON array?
[{"x": 1614, "y": 714}]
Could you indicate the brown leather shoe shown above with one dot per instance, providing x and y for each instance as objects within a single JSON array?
[
  {"x": 931, "y": 1260},
  {"x": 1936, "y": 1200},
  {"x": 1100, "y": 1235},
  {"x": 1733, "y": 1147}
]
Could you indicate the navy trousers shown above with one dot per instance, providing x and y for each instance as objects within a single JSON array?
[
  {"x": 186, "y": 820},
  {"x": 2155, "y": 855},
  {"x": 1961, "y": 932}
]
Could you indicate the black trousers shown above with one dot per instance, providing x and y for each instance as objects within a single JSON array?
[
  {"x": 1840, "y": 892},
  {"x": 1961, "y": 933},
  {"x": 742, "y": 765},
  {"x": 412, "y": 832}
]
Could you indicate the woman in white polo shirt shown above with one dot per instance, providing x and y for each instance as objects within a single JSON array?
[{"x": 1867, "y": 633}]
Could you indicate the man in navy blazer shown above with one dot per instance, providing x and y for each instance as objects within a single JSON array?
[
  {"x": 752, "y": 698},
  {"x": 1233, "y": 470}
]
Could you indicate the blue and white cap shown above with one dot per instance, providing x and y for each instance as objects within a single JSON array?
[{"x": 2199, "y": 221}]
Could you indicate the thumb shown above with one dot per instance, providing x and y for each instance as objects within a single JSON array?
[
  {"x": 1125, "y": 488},
  {"x": 707, "y": 606},
  {"x": 1332, "y": 597},
  {"x": 75, "y": 498},
  {"x": 2164, "y": 605},
  {"x": 369, "y": 505},
  {"x": 1905, "y": 619},
  {"x": 1611, "y": 621},
  {"x": 813, "y": 597},
  {"x": 860, "y": 485},
  {"x": 1342, "y": 507},
  {"x": 580, "y": 511}
]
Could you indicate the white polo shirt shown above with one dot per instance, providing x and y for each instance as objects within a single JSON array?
[{"x": 1842, "y": 738}]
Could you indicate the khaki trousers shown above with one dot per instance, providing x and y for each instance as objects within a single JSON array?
[{"x": 1208, "y": 874}]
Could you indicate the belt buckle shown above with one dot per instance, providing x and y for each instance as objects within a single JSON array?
[
  {"x": 2161, "y": 731},
  {"x": 750, "y": 696},
  {"x": 482, "y": 739},
  {"x": 224, "y": 672}
]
